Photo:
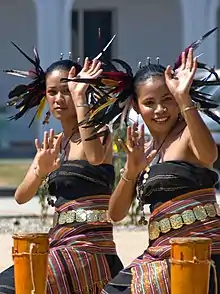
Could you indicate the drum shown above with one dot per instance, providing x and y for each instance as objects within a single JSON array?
[
  {"x": 190, "y": 265},
  {"x": 30, "y": 255}
]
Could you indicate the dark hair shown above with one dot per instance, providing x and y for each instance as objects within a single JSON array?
[
  {"x": 65, "y": 65},
  {"x": 146, "y": 72}
]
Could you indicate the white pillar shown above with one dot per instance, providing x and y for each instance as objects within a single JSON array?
[
  {"x": 67, "y": 26},
  {"x": 212, "y": 21},
  {"x": 50, "y": 16},
  {"x": 195, "y": 20}
]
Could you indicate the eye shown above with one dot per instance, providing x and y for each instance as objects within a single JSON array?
[
  {"x": 51, "y": 92},
  {"x": 168, "y": 98},
  {"x": 149, "y": 103},
  {"x": 66, "y": 91}
]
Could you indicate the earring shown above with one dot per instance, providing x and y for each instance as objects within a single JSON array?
[
  {"x": 47, "y": 118},
  {"x": 180, "y": 117}
]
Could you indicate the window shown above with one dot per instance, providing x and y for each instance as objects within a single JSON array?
[{"x": 85, "y": 28}]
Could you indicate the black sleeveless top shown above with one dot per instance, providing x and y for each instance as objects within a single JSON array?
[
  {"x": 170, "y": 179},
  {"x": 78, "y": 178}
]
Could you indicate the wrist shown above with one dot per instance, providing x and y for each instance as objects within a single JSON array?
[
  {"x": 39, "y": 174},
  {"x": 184, "y": 100},
  {"x": 128, "y": 175},
  {"x": 188, "y": 107},
  {"x": 79, "y": 97}
]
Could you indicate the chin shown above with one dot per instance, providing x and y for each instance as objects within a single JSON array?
[
  {"x": 162, "y": 127},
  {"x": 58, "y": 116}
]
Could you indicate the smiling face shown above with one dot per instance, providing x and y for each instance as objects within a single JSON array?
[
  {"x": 59, "y": 97},
  {"x": 156, "y": 105}
]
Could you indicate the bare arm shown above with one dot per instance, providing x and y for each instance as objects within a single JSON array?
[
  {"x": 45, "y": 161},
  {"x": 122, "y": 198},
  {"x": 137, "y": 161},
  {"x": 200, "y": 138},
  {"x": 94, "y": 149},
  {"x": 29, "y": 186}
]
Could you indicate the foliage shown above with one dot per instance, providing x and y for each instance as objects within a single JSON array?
[{"x": 42, "y": 193}]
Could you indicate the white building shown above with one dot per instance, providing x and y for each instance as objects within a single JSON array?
[{"x": 143, "y": 27}]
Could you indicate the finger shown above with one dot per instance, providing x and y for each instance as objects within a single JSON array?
[
  {"x": 72, "y": 72},
  {"x": 86, "y": 64},
  {"x": 129, "y": 140},
  {"x": 183, "y": 60},
  {"x": 151, "y": 156},
  {"x": 169, "y": 73},
  {"x": 45, "y": 142},
  {"x": 189, "y": 60},
  {"x": 135, "y": 133},
  {"x": 97, "y": 74},
  {"x": 93, "y": 65},
  {"x": 142, "y": 136},
  {"x": 57, "y": 163},
  {"x": 124, "y": 145},
  {"x": 96, "y": 67},
  {"x": 194, "y": 67},
  {"x": 57, "y": 145},
  {"x": 37, "y": 145},
  {"x": 51, "y": 139}
]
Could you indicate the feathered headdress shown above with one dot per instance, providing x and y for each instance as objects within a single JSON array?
[
  {"x": 111, "y": 94},
  {"x": 24, "y": 97},
  {"x": 113, "y": 91},
  {"x": 205, "y": 83}
]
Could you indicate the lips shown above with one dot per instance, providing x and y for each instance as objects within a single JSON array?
[
  {"x": 59, "y": 108},
  {"x": 161, "y": 120}
]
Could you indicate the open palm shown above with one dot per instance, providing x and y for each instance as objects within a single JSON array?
[
  {"x": 89, "y": 71},
  {"x": 137, "y": 160},
  {"x": 47, "y": 156},
  {"x": 180, "y": 82}
]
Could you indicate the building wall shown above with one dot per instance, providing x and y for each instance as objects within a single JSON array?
[
  {"x": 143, "y": 27},
  {"x": 17, "y": 24}
]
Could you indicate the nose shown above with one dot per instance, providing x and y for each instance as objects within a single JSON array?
[
  {"x": 160, "y": 109},
  {"x": 58, "y": 97}
]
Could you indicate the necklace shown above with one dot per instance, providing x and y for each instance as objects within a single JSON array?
[{"x": 142, "y": 179}]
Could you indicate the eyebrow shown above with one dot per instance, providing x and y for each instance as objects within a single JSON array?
[
  {"x": 167, "y": 94},
  {"x": 54, "y": 87},
  {"x": 152, "y": 98}
]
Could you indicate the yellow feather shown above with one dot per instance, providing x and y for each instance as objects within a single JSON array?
[
  {"x": 109, "y": 82},
  {"x": 103, "y": 106},
  {"x": 41, "y": 108}
]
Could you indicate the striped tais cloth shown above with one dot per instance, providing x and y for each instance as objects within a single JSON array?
[
  {"x": 150, "y": 272},
  {"x": 77, "y": 261}
]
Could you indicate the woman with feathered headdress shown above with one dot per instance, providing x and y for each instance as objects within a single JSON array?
[
  {"x": 79, "y": 173},
  {"x": 173, "y": 172}
]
